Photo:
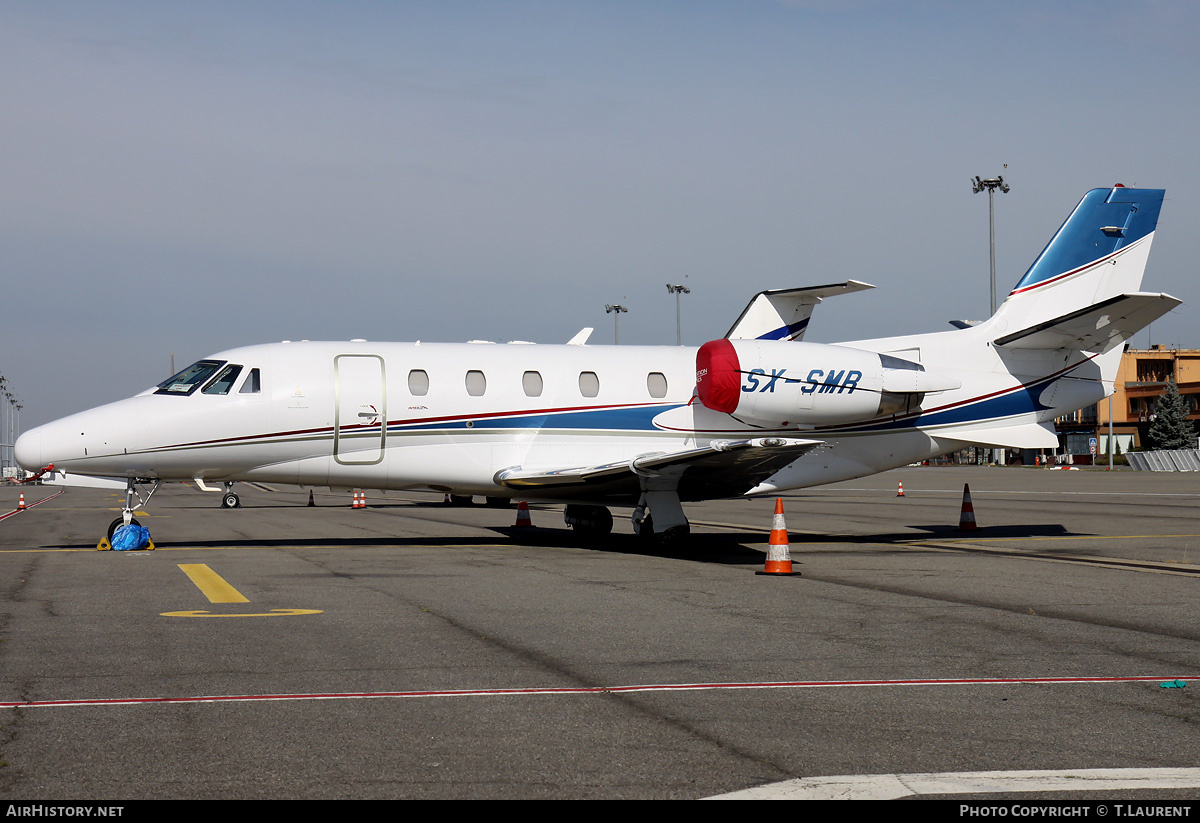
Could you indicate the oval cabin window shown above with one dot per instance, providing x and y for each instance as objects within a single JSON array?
[
  {"x": 589, "y": 384},
  {"x": 531, "y": 382},
  {"x": 476, "y": 383},
  {"x": 656, "y": 384}
]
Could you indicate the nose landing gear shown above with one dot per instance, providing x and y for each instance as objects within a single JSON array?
[{"x": 126, "y": 518}]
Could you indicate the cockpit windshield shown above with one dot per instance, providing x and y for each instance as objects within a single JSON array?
[
  {"x": 191, "y": 378},
  {"x": 223, "y": 382}
]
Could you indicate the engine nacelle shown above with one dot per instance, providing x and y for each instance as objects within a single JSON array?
[{"x": 783, "y": 384}]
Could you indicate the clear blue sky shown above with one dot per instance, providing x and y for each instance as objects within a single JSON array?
[{"x": 184, "y": 178}]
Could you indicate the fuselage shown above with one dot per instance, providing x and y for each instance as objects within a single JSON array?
[{"x": 451, "y": 416}]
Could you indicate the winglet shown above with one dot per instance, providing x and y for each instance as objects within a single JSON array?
[{"x": 581, "y": 338}]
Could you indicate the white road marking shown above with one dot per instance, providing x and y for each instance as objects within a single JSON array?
[{"x": 895, "y": 786}]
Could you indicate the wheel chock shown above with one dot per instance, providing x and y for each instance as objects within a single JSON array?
[{"x": 103, "y": 545}]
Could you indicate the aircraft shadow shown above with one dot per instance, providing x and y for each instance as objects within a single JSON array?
[
  {"x": 718, "y": 547},
  {"x": 722, "y": 548}
]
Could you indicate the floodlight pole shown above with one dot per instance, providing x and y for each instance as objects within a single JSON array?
[
  {"x": 615, "y": 311},
  {"x": 5, "y": 419},
  {"x": 678, "y": 290},
  {"x": 991, "y": 184}
]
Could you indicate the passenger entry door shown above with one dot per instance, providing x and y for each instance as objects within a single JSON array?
[{"x": 360, "y": 409}]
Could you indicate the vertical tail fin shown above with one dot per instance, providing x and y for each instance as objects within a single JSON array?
[{"x": 1098, "y": 254}]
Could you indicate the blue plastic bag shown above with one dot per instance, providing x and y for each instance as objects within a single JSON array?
[{"x": 130, "y": 538}]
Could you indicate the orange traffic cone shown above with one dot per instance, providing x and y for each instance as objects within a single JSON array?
[
  {"x": 21, "y": 505},
  {"x": 310, "y": 499},
  {"x": 966, "y": 520},
  {"x": 360, "y": 499},
  {"x": 900, "y": 489},
  {"x": 779, "y": 557},
  {"x": 523, "y": 520}
]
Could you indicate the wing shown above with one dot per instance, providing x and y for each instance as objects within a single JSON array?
[
  {"x": 782, "y": 314},
  {"x": 722, "y": 469}
]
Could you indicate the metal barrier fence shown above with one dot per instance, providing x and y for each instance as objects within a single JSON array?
[{"x": 1167, "y": 460}]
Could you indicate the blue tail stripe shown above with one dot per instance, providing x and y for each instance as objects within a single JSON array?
[
  {"x": 1082, "y": 238},
  {"x": 788, "y": 331}
]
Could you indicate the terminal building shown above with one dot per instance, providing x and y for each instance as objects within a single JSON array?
[{"x": 1141, "y": 381}]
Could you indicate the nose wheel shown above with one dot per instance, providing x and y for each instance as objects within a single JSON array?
[
  {"x": 118, "y": 523},
  {"x": 126, "y": 518}
]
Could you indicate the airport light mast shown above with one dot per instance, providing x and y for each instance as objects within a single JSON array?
[
  {"x": 615, "y": 311},
  {"x": 4, "y": 420},
  {"x": 678, "y": 290},
  {"x": 991, "y": 184}
]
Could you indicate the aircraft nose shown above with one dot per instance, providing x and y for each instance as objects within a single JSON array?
[{"x": 28, "y": 450}]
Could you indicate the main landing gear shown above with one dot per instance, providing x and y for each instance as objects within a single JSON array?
[
  {"x": 668, "y": 526},
  {"x": 665, "y": 521},
  {"x": 229, "y": 499},
  {"x": 131, "y": 490}
]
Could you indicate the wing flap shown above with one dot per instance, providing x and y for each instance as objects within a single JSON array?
[{"x": 728, "y": 468}]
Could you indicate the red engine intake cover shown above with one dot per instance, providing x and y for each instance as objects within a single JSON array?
[{"x": 718, "y": 376}]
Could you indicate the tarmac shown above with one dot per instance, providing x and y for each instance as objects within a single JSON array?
[{"x": 416, "y": 650}]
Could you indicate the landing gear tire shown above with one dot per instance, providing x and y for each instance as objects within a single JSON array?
[
  {"x": 588, "y": 521},
  {"x": 461, "y": 500},
  {"x": 674, "y": 536},
  {"x": 118, "y": 523},
  {"x": 498, "y": 502},
  {"x": 231, "y": 501}
]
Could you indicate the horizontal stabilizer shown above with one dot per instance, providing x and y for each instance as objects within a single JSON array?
[
  {"x": 1097, "y": 328},
  {"x": 1024, "y": 436},
  {"x": 783, "y": 314},
  {"x": 728, "y": 468}
]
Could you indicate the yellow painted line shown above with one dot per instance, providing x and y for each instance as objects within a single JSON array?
[
  {"x": 984, "y": 539},
  {"x": 211, "y": 584},
  {"x": 272, "y": 613}
]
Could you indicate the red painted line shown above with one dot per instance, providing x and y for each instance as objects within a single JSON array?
[
  {"x": 1074, "y": 271},
  {"x": 31, "y": 505},
  {"x": 666, "y": 687}
]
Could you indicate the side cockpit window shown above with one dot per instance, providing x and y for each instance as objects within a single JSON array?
[
  {"x": 253, "y": 383},
  {"x": 223, "y": 382},
  {"x": 187, "y": 381}
]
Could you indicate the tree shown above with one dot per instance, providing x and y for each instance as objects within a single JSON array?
[{"x": 1171, "y": 429}]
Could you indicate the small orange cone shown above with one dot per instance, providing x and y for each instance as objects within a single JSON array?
[
  {"x": 310, "y": 499},
  {"x": 900, "y": 489},
  {"x": 779, "y": 556},
  {"x": 446, "y": 501},
  {"x": 966, "y": 520},
  {"x": 21, "y": 505},
  {"x": 360, "y": 499},
  {"x": 523, "y": 520}
]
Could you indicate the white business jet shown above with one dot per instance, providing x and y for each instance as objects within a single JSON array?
[{"x": 753, "y": 413}]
